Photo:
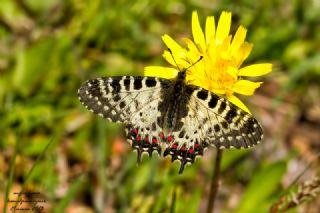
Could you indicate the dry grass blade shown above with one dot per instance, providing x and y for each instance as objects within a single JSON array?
[{"x": 307, "y": 191}]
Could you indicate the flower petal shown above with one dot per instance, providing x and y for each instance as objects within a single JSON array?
[
  {"x": 161, "y": 72},
  {"x": 210, "y": 29},
  {"x": 224, "y": 48},
  {"x": 223, "y": 27},
  {"x": 197, "y": 33},
  {"x": 236, "y": 101},
  {"x": 238, "y": 40},
  {"x": 191, "y": 46},
  {"x": 244, "y": 52},
  {"x": 245, "y": 87},
  {"x": 255, "y": 70},
  {"x": 232, "y": 72},
  {"x": 171, "y": 44},
  {"x": 177, "y": 59}
]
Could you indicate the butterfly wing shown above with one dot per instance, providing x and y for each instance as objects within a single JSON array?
[
  {"x": 224, "y": 124},
  {"x": 135, "y": 101},
  {"x": 122, "y": 99},
  {"x": 132, "y": 100},
  {"x": 214, "y": 120}
]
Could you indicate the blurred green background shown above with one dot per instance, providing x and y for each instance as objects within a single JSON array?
[{"x": 49, "y": 143}]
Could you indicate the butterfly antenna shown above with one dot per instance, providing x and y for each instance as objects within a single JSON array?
[
  {"x": 201, "y": 57},
  {"x": 177, "y": 63},
  {"x": 173, "y": 58}
]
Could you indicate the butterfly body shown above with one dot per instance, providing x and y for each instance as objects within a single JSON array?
[
  {"x": 174, "y": 106},
  {"x": 169, "y": 116}
]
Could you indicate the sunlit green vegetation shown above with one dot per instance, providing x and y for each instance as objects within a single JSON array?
[{"x": 49, "y": 143}]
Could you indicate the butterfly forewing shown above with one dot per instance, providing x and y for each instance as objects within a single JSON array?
[{"x": 122, "y": 99}]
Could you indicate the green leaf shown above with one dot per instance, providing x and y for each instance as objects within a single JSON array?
[
  {"x": 261, "y": 187},
  {"x": 74, "y": 189},
  {"x": 191, "y": 204},
  {"x": 33, "y": 63},
  {"x": 142, "y": 179},
  {"x": 230, "y": 156}
]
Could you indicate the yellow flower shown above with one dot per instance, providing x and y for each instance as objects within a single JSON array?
[{"x": 220, "y": 69}]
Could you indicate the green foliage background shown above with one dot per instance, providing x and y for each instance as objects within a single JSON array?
[{"x": 48, "y": 48}]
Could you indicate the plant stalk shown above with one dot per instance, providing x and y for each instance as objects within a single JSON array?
[{"x": 214, "y": 185}]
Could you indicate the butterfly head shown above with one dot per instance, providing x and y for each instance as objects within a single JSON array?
[{"x": 182, "y": 74}]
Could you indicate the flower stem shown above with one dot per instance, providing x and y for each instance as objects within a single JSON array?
[{"x": 214, "y": 185}]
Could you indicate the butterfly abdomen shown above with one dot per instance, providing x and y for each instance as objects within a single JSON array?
[{"x": 174, "y": 106}]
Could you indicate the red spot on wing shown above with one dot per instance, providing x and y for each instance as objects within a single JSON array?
[
  {"x": 174, "y": 146},
  {"x": 183, "y": 147},
  {"x": 161, "y": 135},
  {"x": 170, "y": 138},
  {"x": 154, "y": 140},
  {"x": 197, "y": 145},
  {"x": 138, "y": 138},
  {"x": 146, "y": 139},
  {"x": 191, "y": 150}
]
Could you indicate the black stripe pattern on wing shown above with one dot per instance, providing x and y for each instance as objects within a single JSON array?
[
  {"x": 228, "y": 126},
  {"x": 117, "y": 98}
]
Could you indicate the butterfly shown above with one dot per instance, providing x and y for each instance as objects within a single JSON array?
[{"x": 169, "y": 116}]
